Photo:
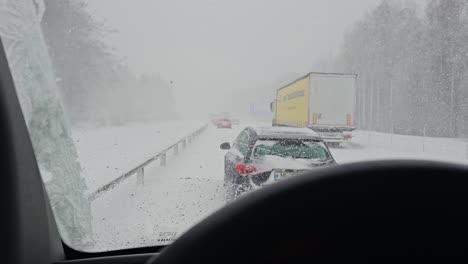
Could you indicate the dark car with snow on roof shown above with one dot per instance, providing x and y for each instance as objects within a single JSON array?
[{"x": 265, "y": 155}]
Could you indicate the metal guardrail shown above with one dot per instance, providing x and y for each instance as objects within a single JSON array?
[{"x": 139, "y": 170}]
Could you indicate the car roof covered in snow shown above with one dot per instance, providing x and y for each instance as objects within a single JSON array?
[{"x": 285, "y": 133}]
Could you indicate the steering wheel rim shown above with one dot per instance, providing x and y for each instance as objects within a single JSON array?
[{"x": 364, "y": 209}]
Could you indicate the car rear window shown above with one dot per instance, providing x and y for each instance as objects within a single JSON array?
[{"x": 296, "y": 149}]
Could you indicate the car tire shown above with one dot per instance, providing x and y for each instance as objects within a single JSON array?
[
  {"x": 229, "y": 193},
  {"x": 233, "y": 185},
  {"x": 228, "y": 183},
  {"x": 241, "y": 189},
  {"x": 233, "y": 191}
]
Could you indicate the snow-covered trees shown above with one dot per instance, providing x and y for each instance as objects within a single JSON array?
[
  {"x": 96, "y": 84},
  {"x": 96, "y": 87},
  {"x": 411, "y": 61}
]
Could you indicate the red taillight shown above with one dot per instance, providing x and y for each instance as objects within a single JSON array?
[
  {"x": 243, "y": 169},
  {"x": 347, "y": 136}
]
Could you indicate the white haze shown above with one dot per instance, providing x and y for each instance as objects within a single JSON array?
[{"x": 222, "y": 55}]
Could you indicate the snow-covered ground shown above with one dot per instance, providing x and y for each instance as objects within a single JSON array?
[
  {"x": 189, "y": 188},
  {"x": 106, "y": 153},
  {"x": 173, "y": 198},
  {"x": 377, "y": 146}
]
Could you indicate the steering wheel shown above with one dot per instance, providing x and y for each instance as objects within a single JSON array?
[{"x": 362, "y": 210}]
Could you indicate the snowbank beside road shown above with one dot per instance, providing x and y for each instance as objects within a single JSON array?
[
  {"x": 106, "y": 153},
  {"x": 446, "y": 149}
]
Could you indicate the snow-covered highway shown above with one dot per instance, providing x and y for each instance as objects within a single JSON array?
[{"x": 189, "y": 188}]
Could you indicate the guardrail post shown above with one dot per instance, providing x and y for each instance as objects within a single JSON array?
[
  {"x": 176, "y": 149},
  {"x": 163, "y": 159},
  {"x": 141, "y": 176},
  {"x": 140, "y": 169}
]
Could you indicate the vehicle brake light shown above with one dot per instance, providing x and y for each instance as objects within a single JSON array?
[{"x": 244, "y": 170}]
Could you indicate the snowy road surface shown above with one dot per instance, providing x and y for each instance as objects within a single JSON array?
[
  {"x": 106, "y": 153},
  {"x": 172, "y": 198},
  {"x": 189, "y": 188}
]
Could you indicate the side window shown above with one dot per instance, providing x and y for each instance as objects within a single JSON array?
[{"x": 242, "y": 142}]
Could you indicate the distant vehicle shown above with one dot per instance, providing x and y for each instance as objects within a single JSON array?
[
  {"x": 224, "y": 123},
  {"x": 221, "y": 119},
  {"x": 265, "y": 155},
  {"x": 324, "y": 102}
]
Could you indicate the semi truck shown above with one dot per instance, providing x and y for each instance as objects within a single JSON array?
[{"x": 323, "y": 102}]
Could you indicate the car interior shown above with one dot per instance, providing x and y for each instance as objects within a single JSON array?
[{"x": 362, "y": 211}]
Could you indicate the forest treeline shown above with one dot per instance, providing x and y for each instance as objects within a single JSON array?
[
  {"x": 412, "y": 63},
  {"x": 96, "y": 84}
]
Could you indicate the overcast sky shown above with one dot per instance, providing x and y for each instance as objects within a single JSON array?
[{"x": 221, "y": 55}]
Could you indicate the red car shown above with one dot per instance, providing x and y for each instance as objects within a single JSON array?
[{"x": 224, "y": 123}]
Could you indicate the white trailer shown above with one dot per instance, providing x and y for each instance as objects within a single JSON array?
[{"x": 324, "y": 102}]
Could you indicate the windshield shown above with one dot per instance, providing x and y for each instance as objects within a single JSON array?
[
  {"x": 145, "y": 115},
  {"x": 295, "y": 149}
]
